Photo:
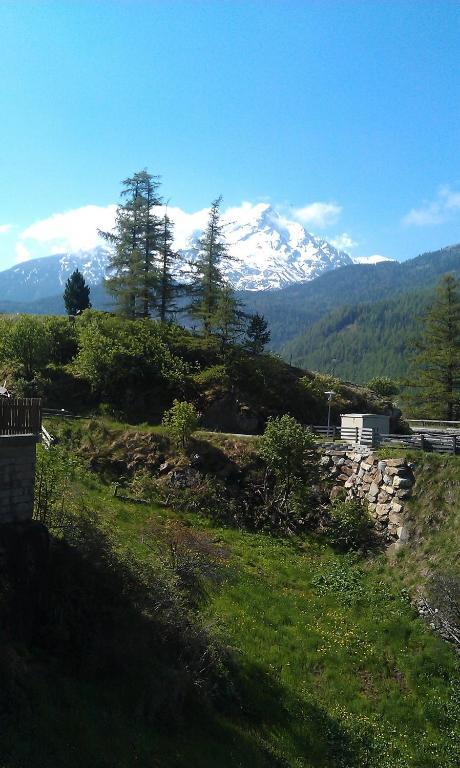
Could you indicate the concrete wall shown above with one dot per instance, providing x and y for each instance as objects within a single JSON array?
[{"x": 17, "y": 477}]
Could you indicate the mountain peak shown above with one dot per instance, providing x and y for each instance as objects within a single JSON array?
[{"x": 269, "y": 251}]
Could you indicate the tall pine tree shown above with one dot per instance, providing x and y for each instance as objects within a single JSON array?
[
  {"x": 168, "y": 289},
  {"x": 133, "y": 267},
  {"x": 207, "y": 280},
  {"x": 76, "y": 294},
  {"x": 436, "y": 385}
]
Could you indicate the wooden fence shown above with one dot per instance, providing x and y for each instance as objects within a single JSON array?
[{"x": 20, "y": 416}]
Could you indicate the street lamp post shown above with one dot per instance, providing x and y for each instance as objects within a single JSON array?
[{"x": 330, "y": 394}]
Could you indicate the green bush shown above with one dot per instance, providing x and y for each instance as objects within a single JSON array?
[
  {"x": 115, "y": 355},
  {"x": 181, "y": 421},
  {"x": 349, "y": 526},
  {"x": 289, "y": 452},
  {"x": 384, "y": 386}
]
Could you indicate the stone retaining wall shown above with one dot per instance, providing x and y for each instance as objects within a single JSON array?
[
  {"x": 383, "y": 483},
  {"x": 17, "y": 477}
]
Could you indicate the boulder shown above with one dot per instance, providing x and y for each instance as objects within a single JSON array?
[{"x": 402, "y": 482}]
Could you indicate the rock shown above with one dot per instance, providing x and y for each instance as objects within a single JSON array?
[
  {"x": 373, "y": 489},
  {"x": 402, "y": 482},
  {"x": 388, "y": 489},
  {"x": 403, "y": 534},
  {"x": 382, "y": 497},
  {"x": 403, "y": 493},
  {"x": 396, "y": 507},
  {"x": 381, "y": 466},
  {"x": 396, "y": 462},
  {"x": 382, "y": 511},
  {"x": 325, "y": 461}
]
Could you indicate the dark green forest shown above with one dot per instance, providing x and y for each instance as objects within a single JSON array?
[
  {"x": 294, "y": 309},
  {"x": 363, "y": 340}
]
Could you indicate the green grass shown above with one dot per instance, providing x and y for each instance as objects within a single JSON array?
[{"x": 330, "y": 665}]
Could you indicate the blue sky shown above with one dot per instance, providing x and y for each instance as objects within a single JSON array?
[{"x": 345, "y": 113}]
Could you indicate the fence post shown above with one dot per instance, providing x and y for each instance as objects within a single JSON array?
[
  {"x": 356, "y": 435},
  {"x": 422, "y": 441},
  {"x": 454, "y": 444}
]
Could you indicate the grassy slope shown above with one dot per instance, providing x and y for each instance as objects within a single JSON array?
[{"x": 338, "y": 675}]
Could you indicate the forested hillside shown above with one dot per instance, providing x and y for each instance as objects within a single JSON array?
[
  {"x": 364, "y": 340},
  {"x": 294, "y": 309}
]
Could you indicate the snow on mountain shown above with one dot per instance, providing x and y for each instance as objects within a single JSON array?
[
  {"x": 38, "y": 278},
  {"x": 268, "y": 251},
  {"x": 375, "y": 259}
]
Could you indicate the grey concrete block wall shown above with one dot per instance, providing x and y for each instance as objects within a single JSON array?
[{"x": 17, "y": 477}]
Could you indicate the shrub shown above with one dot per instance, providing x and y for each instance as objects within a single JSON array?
[
  {"x": 181, "y": 421},
  {"x": 116, "y": 354},
  {"x": 289, "y": 452},
  {"x": 288, "y": 449},
  {"x": 384, "y": 386},
  {"x": 349, "y": 525},
  {"x": 28, "y": 344}
]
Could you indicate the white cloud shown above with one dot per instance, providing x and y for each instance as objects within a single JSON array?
[
  {"x": 73, "y": 230},
  {"x": 318, "y": 214},
  {"x": 433, "y": 212},
  {"x": 343, "y": 242},
  {"x": 4, "y": 228},
  {"x": 22, "y": 254}
]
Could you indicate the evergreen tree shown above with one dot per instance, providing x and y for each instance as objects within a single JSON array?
[
  {"x": 208, "y": 281},
  {"x": 228, "y": 316},
  {"x": 76, "y": 294},
  {"x": 167, "y": 290},
  {"x": 257, "y": 334},
  {"x": 436, "y": 387},
  {"x": 133, "y": 266}
]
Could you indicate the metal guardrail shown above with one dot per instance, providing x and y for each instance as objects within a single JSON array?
[
  {"x": 47, "y": 439},
  {"x": 435, "y": 442},
  {"x": 364, "y": 436}
]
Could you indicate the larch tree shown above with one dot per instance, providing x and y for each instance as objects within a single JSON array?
[
  {"x": 207, "y": 278},
  {"x": 168, "y": 289},
  {"x": 436, "y": 383},
  {"x": 76, "y": 294},
  {"x": 133, "y": 267}
]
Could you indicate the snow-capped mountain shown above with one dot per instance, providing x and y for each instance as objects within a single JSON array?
[
  {"x": 377, "y": 258},
  {"x": 38, "y": 278},
  {"x": 268, "y": 251}
]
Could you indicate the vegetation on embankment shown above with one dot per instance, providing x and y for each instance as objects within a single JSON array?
[
  {"x": 307, "y": 657},
  {"x": 133, "y": 370},
  {"x": 433, "y": 517}
]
